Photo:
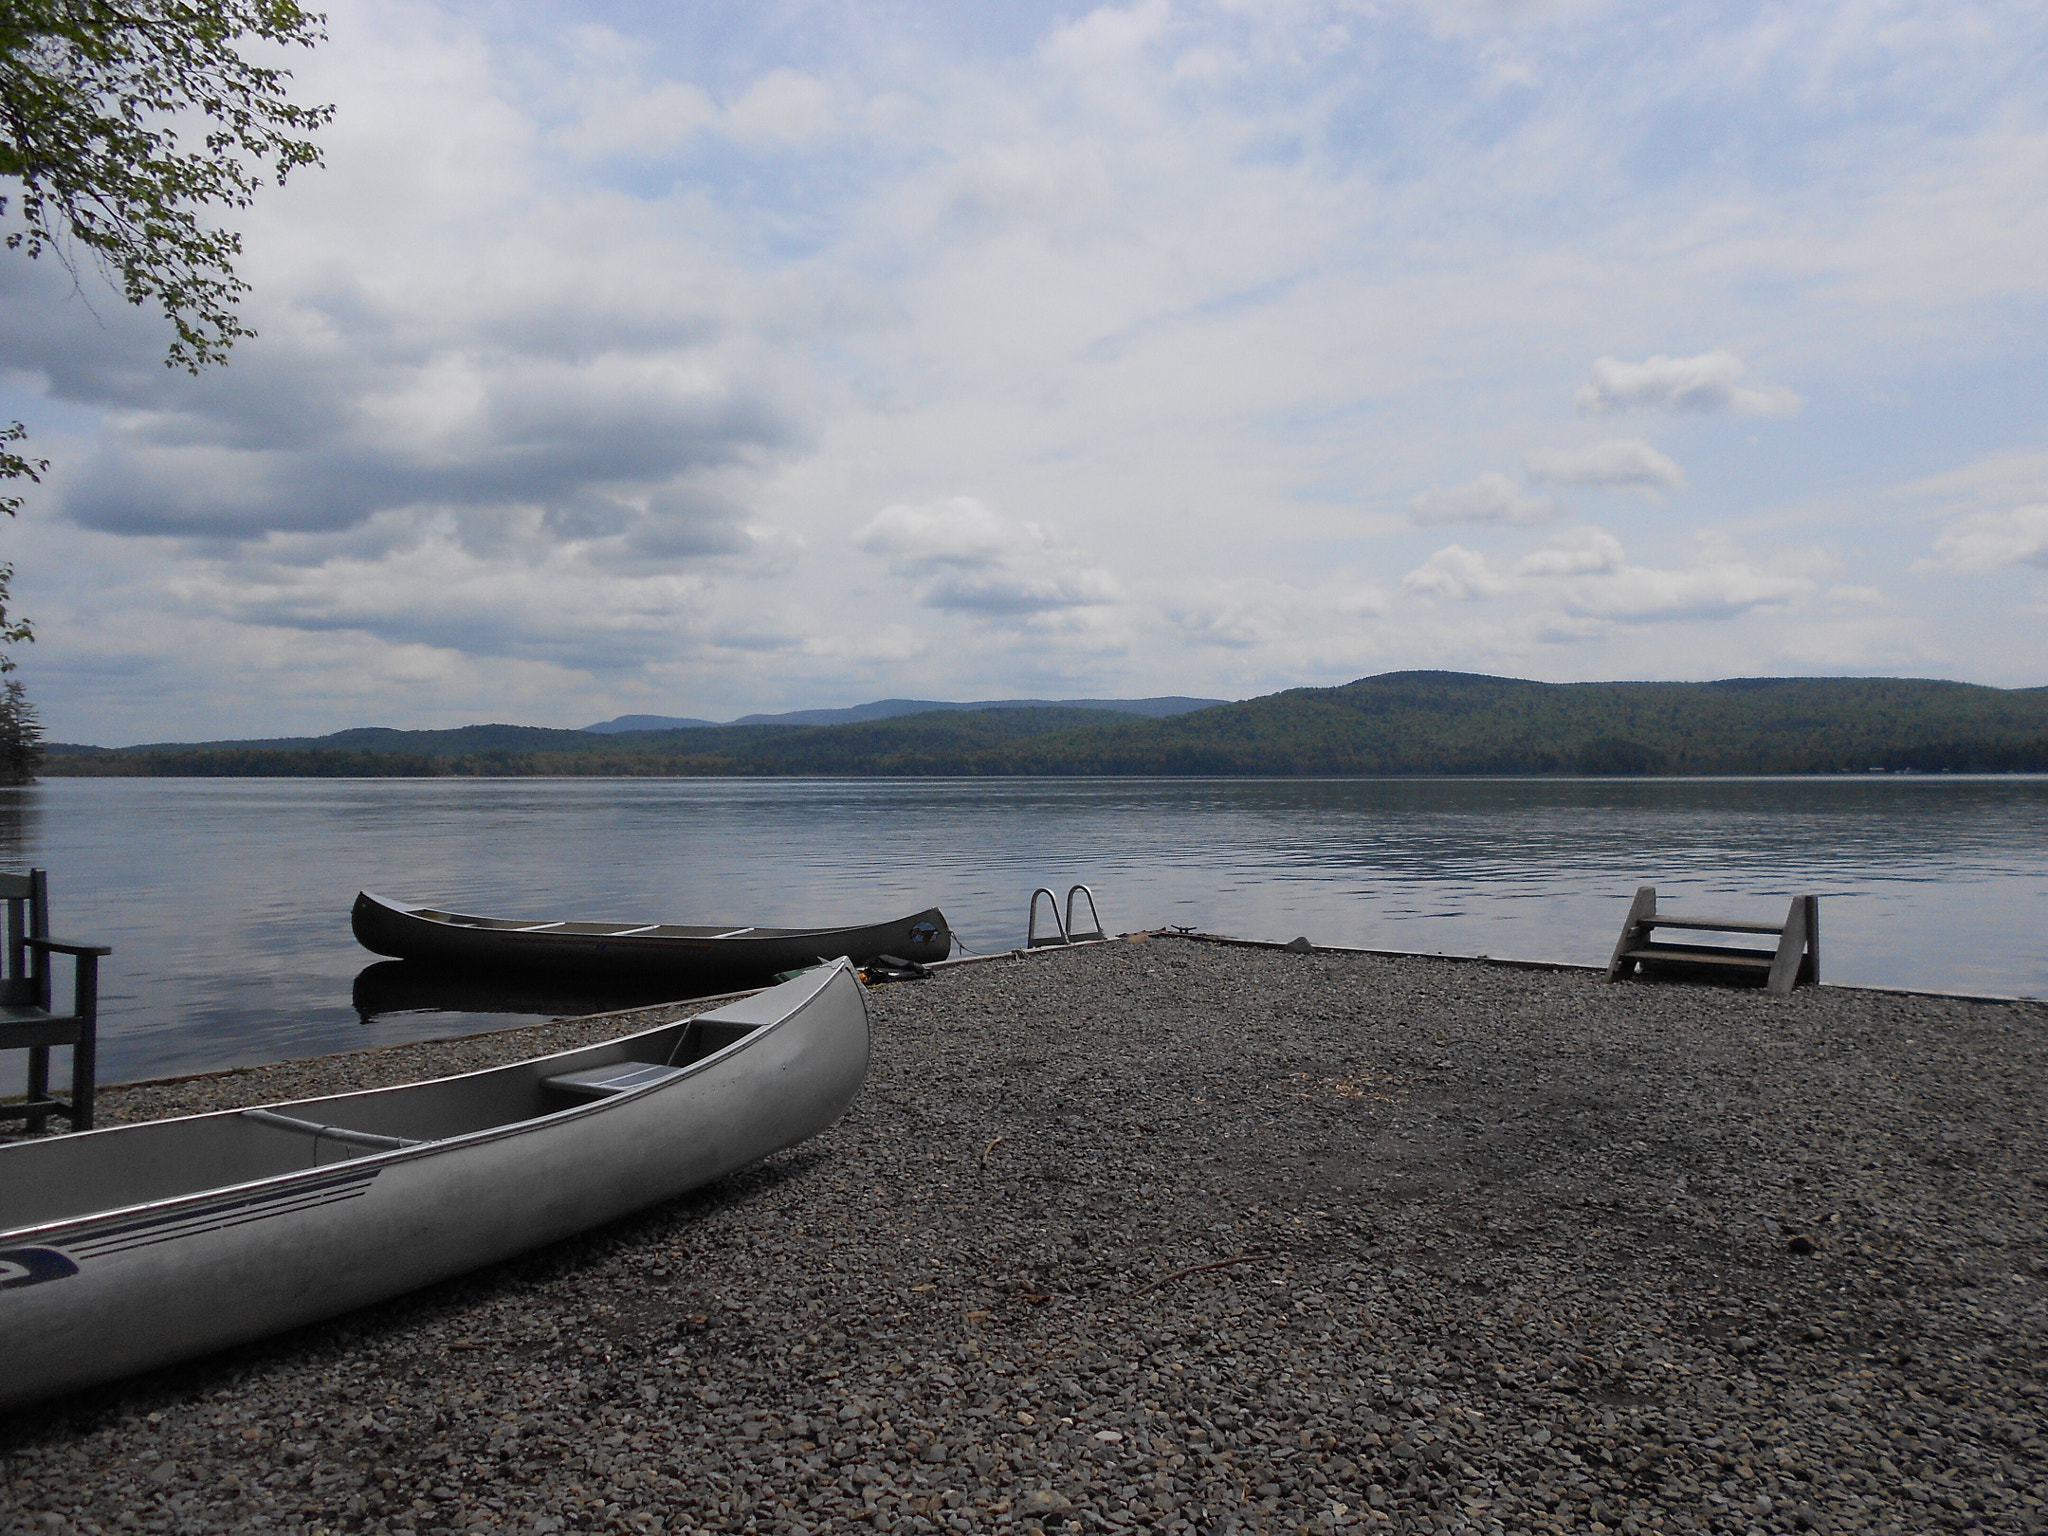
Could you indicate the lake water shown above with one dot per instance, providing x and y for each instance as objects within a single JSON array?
[{"x": 227, "y": 900}]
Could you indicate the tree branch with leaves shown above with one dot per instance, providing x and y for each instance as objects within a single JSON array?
[
  {"x": 123, "y": 127},
  {"x": 14, "y": 466},
  {"x": 124, "y": 124}
]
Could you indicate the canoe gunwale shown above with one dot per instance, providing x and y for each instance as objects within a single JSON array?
[{"x": 43, "y": 1233}]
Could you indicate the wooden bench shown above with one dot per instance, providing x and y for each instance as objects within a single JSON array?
[
  {"x": 27, "y": 1019},
  {"x": 1793, "y": 961}
]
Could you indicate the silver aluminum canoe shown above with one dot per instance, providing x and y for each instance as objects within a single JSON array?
[{"x": 136, "y": 1246}]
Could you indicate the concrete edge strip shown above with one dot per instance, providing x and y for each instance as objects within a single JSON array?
[
  {"x": 1512, "y": 963},
  {"x": 1505, "y": 962}
]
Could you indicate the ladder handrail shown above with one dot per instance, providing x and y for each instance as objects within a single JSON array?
[
  {"x": 1031, "y": 938},
  {"x": 1074, "y": 934}
]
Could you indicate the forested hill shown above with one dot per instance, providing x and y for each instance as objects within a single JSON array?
[
  {"x": 1397, "y": 723},
  {"x": 1456, "y": 723}
]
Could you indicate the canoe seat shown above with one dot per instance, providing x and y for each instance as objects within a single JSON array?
[{"x": 603, "y": 1082}]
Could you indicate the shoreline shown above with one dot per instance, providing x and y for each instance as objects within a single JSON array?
[
  {"x": 655, "y": 1012},
  {"x": 1172, "y": 1236}
]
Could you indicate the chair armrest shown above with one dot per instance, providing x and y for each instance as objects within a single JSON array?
[{"x": 60, "y": 947}]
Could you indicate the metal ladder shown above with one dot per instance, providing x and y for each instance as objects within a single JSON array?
[{"x": 1063, "y": 932}]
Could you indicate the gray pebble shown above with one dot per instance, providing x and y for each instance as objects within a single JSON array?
[{"x": 1171, "y": 1236}]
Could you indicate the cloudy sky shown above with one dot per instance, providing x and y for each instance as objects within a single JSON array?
[{"x": 698, "y": 360}]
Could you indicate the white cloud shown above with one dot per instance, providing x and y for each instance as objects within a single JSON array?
[
  {"x": 1623, "y": 464},
  {"x": 1249, "y": 614},
  {"x": 1108, "y": 36},
  {"x": 960, "y": 531},
  {"x": 965, "y": 557},
  {"x": 612, "y": 109},
  {"x": 1491, "y": 498},
  {"x": 1718, "y": 583},
  {"x": 1719, "y": 591},
  {"x": 629, "y": 118},
  {"x": 1580, "y": 552},
  {"x": 1998, "y": 511},
  {"x": 1990, "y": 541},
  {"x": 1997, "y": 482},
  {"x": 1705, "y": 384},
  {"x": 785, "y": 106},
  {"x": 1582, "y": 579},
  {"x": 1009, "y": 189},
  {"x": 1458, "y": 573}
]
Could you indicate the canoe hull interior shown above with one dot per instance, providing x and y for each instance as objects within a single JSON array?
[
  {"x": 701, "y": 959},
  {"x": 310, "y": 1225}
]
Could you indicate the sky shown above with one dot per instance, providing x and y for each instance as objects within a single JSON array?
[{"x": 628, "y": 358}]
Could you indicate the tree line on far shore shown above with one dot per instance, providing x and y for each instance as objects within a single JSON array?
[{"x": 1403, "y": 723}]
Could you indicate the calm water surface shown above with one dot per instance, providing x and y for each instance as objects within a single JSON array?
[{"x": 226, "y": 900}]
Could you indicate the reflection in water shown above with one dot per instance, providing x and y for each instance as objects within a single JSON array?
[
  {"x": 392, "y": 987},
  {"x": 20, "y": 817},
  {"x": 227, "y": 900}
]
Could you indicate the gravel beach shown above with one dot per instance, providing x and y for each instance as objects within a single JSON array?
[{"x": 1171, "y": 1235}]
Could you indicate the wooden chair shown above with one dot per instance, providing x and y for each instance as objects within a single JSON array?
[
  {"x": 1793, "y": 961},
  {"x": 27, "y": 1021}
]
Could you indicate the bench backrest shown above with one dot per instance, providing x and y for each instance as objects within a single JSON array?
[{"x": 25, "y": 972}]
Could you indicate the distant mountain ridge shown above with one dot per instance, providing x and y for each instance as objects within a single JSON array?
[
  {"x": 890, "y": 709},
  {"x": 646, "y": 723},
  {"x": 1395, "y": 724}
]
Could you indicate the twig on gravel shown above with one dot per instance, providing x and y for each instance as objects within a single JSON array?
[
  {"x": 993, "y": 1143},
  {"x": 1196, "y": 1269}
]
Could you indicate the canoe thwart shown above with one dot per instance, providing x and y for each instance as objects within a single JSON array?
[
  {"x": 339, "y": 1133},
  {"x": 1794, "y": 962}
]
